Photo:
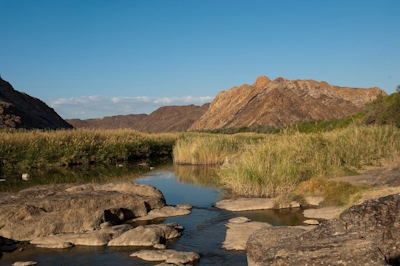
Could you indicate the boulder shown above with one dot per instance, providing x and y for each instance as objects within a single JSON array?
[
  {"x": 68, "y": 208},
  {"x": 148, "y": 235},
  {"x": 251, "y": 204},
  {"x": 365, "y": 234},
  {"x": 167, "y": 255}
]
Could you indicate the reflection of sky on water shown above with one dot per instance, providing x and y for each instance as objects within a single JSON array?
[{"x": 180, "y": 193}]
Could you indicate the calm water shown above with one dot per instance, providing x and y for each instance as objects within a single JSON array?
[{"x": 204, "y": 227}]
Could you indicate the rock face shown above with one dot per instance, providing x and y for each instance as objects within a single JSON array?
[
  {"x": 365, "y": 234},
  {"x": 67, "y": 208},
  {"x": 19, "y": 110},
  {"x": 281, "y": 102},
  {"x": 164, "y": 119}
]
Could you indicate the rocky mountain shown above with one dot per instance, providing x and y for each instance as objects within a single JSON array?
[
  {"x": 164, "y": 119},
  {"x": 108, "y": 122},
  {"x": 19, "y": 110},
  {"x": 281, "y": 102}
]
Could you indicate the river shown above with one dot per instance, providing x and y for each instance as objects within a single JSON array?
[{"x": 204, "y": 227}]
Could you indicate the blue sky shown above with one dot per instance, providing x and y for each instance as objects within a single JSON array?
[{"x": 90, "y": 59}]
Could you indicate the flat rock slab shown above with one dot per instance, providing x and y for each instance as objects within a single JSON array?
[
  {"x": 239, "y": 230},
  {"x": 167, "y": 211},
  {"x": 148, "y": 235},
  {"x": 327, "y": 213},
  {"x": 167, "y": 255},
  {"x": 251, "y": 204}
]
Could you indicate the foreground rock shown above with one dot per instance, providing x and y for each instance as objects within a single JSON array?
[
  {"x": 366, "y": 234},
  {"x": 167, "y": 255},
  {"x": 67, "y": 208},
  {"x": 148, "y": 235},
  {"x": 251, "y": 204}
]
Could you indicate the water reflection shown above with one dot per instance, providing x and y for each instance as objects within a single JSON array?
[
  {"x": 203, "y": 176},
  {"x": 98, "y": 173}
]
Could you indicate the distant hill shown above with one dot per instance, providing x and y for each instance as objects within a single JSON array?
[
  {"x": 108, "y": 122},
  {"x": 282, "y": 102},
  {"x": 164, "y": 119},
  {"x": 19, "y": 110}
]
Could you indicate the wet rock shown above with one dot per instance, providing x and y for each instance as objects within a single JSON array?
[
  {"x": 90, "y": 238},
  {"x": 67, "y": 208},
  {"x": 365, "y": 234},
  {"x": 148, "y": 235},
  {"x": 327, "y": 213},
  {"x": 239, "y": 229},
  {"x": 251, "y": 204},
  {"x": 167, "y": 255}
]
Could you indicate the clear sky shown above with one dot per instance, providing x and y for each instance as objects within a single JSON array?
[{"x": 89, "y": 59}]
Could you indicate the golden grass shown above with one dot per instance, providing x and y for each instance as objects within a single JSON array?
[
  {"x": 210, "y": 149},
  {"x": 279, "y": 163},
  {"x": 36, "y": 148}
]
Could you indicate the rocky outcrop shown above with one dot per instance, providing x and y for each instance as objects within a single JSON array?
[
  {"x": 19, "y": 110},
  {"x": 365, "y": 234},
  {"x": 281, "y": 102},
  {"x": 164, "y": 119},
  {"x": 68, "y": 208}
]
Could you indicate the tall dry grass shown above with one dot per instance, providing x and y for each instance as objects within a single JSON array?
[
  {"x": 280, "y": 162},
  {"x": 210, "y": 149},
  {"x": 36, "y": 148}
]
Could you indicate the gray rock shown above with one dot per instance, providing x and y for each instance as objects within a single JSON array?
[
  {"x": 66, "y": 208},
  {"x": 365, "y": 234},
  {"x": 148, "y": 235},
  {"x": 167, "y": 255}
]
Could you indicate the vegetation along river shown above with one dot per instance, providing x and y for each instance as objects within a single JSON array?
[{"x": 204, "y": 227}]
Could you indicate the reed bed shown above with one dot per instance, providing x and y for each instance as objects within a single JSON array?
[
  {"x": 37, "y": 148},
  {"x": 210, "y": 149},
  {"x": 279, "y": 163}
]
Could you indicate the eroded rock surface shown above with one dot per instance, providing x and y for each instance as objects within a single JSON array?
[
  {"x": 365, "y": 234},
  {"x": 67, "y": 208}
]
